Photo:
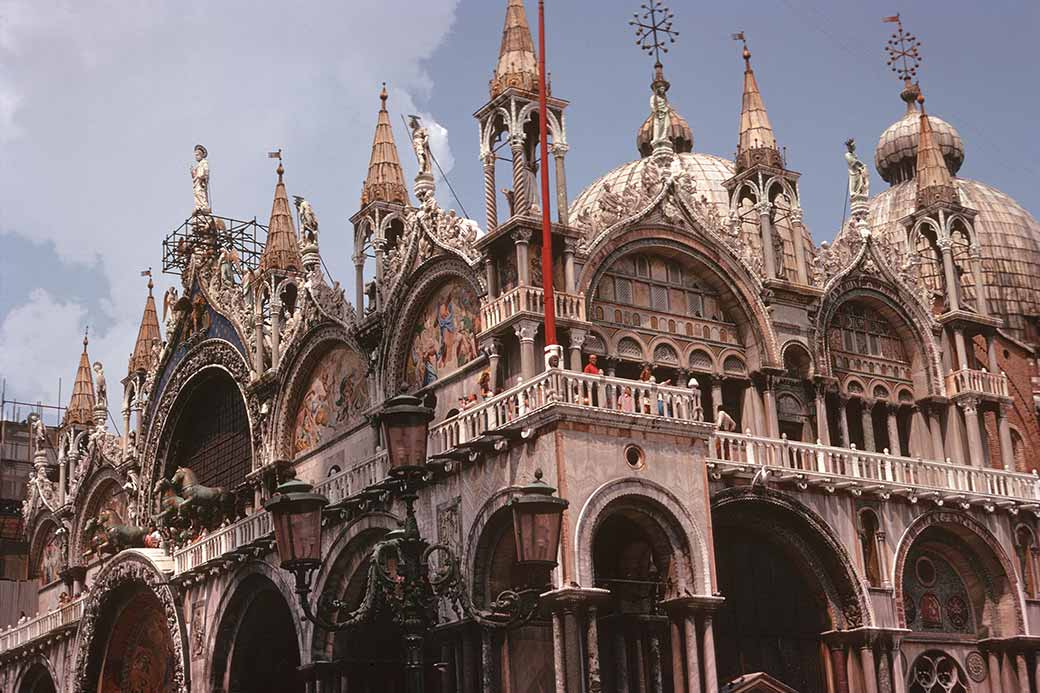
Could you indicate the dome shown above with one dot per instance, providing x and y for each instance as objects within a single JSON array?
[
  {"x": 622, "y": 191},
  {"x": 896, "y": 153},
  {"x": 1009, "y": 239},
  {"x": 680, "y": 134}
]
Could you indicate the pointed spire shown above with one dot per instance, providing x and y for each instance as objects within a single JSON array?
[
  {"x": 81, "y": 406},
  {"x": 281, "y": 251},
  {"x": 934, "y": 184},
  {"x": 147, "y": 334},
  {"x": 385, "y": 180},
  {"x": 757, "y": 144},
  {"x": 517, "y": 65}
]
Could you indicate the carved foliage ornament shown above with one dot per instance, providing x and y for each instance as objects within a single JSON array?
[{"x": 128, "y": 569}]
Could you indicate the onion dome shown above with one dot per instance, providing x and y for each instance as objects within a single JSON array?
[
  {"x": 147, "y": 335},
  {"x": 706, "y": 171},
  {"x": 517, "y": 66},
  {"x": 896, "y": 153},
  {"x": 281, "y": 252},
  {"x": 385, "y": 180},
  {"x": 80, "y": 411},
  {"x": 679, "y": 133}
]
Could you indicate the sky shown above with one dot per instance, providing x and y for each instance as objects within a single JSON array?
[{"x": 102, "y": 102}]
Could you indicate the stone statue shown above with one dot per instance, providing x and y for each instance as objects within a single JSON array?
[
  {"x": 859, "y": 176},
  {"x": 421, "y": 145},
  {"x": 100, "y": 385},
  {"x": 169, "y": 301},
  {"x": 39, "y": 432},
  {"x": 662, "y": 115},
  {"x": 370, "y": 294},
  {"x": 308, "y": 220},
  {"x": 200, "y": 180},
  {"x": 228, "y": 260}
]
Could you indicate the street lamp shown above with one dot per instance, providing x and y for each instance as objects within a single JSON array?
[{"x": 407, "y": 576}]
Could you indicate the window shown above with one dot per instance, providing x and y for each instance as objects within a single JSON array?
[
  {"x": 659, "y": 298},
  {"x": 694, "y": 304},
  {"x": 623, "y": 290},
  {"x": 1025, "y": 547},
  {"x": 872, "y": 542},
  {"x": 642, "y": 266},
  {"x": 675, "y": 273},
  {"x": 937, "y": 672}
]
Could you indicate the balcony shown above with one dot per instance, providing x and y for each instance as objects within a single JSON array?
[
  {"x": 530, "y": 299},
  {"x": 64, "y": 617},
  {"x": 971, "y": 381},
  {"x": 504, "y": 415},
  {"x": 859, "y": 471}
]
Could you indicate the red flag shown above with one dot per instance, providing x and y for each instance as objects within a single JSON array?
[{"x": 891, "y": 20}]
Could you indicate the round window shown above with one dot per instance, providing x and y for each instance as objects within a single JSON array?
[
  {"x": 634, "y": 457},
  {"x": 925, "y": 570}
]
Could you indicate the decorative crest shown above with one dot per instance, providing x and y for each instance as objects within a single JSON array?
[
  {"x": 654, "y": 30},
  {"x": 904, "y": 56}
]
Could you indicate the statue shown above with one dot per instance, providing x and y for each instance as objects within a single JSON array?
[
  {"x": 308, "y": 220},
  {"x": 421, "y": 145},
  {"x": 209, "y": 504},
  {"x": 200, "y": 180},
  {"x": 39, "y": 433},
  {"x": 661, "y": 112},
  {"x": 510, "y": 200},
  {"x": 228, "y": 264},
  {"x": 859, "y": 176},
  {"x": 370, "y": 294},
  {"x": 108, "y": 538},
  {"x": 130, "y": 453},
  {"x": 100, "y": 385}
]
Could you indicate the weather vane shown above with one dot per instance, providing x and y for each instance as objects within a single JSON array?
[
  {"x": 654, "y": 28},
  {"x": 903, "y": 55}
]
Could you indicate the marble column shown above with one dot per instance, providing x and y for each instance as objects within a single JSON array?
[
  {"x": 970, "y": 407},
  {"x": 769, "y": 403},
  {"x": 993, "y": 679},
  {"x": 379, "y": 245},
  {"x": 981, "y": 304},
  {"x": 522, "y": 240},
  {"x": 766, "y": 225},
  {"x": 276, "y": 332},
  {"x": 525, "y": 331},
  {"x": 1023, "y": 673},
  {"x": 801, "y": 266},
  {"x": 559, "y": 151},
  {"x": 620, "y": 659},
  {"x": 934, "y": 415},
  {"x": 866, "y": 658},
  {"x": 991, "y": 354},
  {"x": 711, "y": 677},
  {"x": 867, "y": 419},
  {"x": 716, "y": 398},
  {"x": 693, "y": 664},
  {"x": 520, "y": 183},
  {"x": 490, "y": 193},
  {"x": 491, "y": 275},
  {"x": 894, "y": 445},
  {"x": 839, "y": 666},
  {"x": 823, "y": 429},
  {"x": 359, "y": 282},
  {"x": 898, "y": 674},
  {"x": 577, "y": 341},
  {"x": 569, "y": 247},
  {"x": 843, "y": 420},
  {"x": 952, "y": 288},
  {"x": 559, "y": 649},
  {"x": 592, "y": 650},
  {"x": 493, "y": 349},
  {"x": 961, "y": 347},
  {"x": 1007, "y": 450}
]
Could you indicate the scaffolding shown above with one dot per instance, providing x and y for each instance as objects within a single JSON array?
[{"x": 207, "y": 234}]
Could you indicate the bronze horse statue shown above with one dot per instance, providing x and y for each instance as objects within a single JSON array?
[
  {"x": 117, "y": 537},
  {"x": 211, "y": 502}
]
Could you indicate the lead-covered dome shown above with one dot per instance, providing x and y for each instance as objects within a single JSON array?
[
  {"x": 896, "y": 153},
  {"x": 1009, "y": 239}
]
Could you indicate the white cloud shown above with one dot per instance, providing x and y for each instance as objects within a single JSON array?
[{"x": 96, "y": 135}]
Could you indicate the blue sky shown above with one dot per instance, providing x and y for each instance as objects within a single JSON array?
[{"x": 101, "y": 103}]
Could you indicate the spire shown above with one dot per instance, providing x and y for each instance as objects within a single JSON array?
[
  {"x": 147, "y": 334},
  {"x": 282, "y": 250},
  {"x": 517, "y": 66},
  {"x": 757, "y": 144},
  {"x": 934, "y": 184},
  {"x": 385, "y": 180},
  {"x": 81, "y": 406}
]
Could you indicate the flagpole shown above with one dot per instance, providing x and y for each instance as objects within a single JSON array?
[{"x": 547, "y": 254}]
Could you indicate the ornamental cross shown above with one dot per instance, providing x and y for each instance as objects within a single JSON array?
[
  {"x": 903, "y": 55},
  {"x": 654, "y": 28}
]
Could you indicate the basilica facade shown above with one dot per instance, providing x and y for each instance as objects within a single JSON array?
[{"x": 789, "y": 466}]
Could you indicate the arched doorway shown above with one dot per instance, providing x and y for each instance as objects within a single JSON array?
[
  {"x": 132, "y": 649},
  {"x": 639, "y": 559},
  {"x": 257, "y": 647},
  {"x": 785, "y": 582},
  {"x": 37, "y": 679}
]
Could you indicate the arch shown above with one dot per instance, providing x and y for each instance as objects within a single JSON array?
[
  {"x": 300, "y": 371},
  {"x": 630, "y": 347},
  {"x": 428, "y": 282},
  {"x": 37, "y": 677},
  {"x": 665, "y": 352},
  {"x": 255, "y": 644},
  {"x": 129, "y": 579},
  {"x": 734, "y": 364},
  {"x": 93, "y": 495},
  {"x": 661, "y": 507},
  {"x": 701, "y": 359},
  {"x": 797, "y": 360},
  {"x": 935, "y": 671},
  {"x": 989, "y": 574},
  {"x": 738, "y": 291},
  {"x": 44, "y": 548}
]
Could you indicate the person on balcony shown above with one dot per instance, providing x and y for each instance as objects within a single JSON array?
[{"x": 591, "y": 367}]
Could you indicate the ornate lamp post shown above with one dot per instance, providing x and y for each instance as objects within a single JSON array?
[{"x": 407, "y": 576}]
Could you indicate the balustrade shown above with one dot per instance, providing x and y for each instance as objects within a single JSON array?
[
  {"x": 38, "y": 626},
  {"x": 977, "y": 381},
  {"x": 866, "y": 468},
  {"x": 531, "y": 299}
]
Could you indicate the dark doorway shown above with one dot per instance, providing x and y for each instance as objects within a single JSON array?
[
  {"x": 37, "y": 680},
  {"x": 265, "y": 655}
]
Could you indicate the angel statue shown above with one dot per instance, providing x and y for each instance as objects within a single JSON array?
[
  {"x": 421, "y": 145},
  {"x": 859, "y": 176},
  {"x": 308, "y": 220},
  {"x": 200, "y": 180},
  {"x": 661, "y": 113},
  {"x": 100, "y": 385}
]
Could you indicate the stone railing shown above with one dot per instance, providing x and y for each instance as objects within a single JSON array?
[
  {"x": 860, "y": 469},
  {"x": 982, "y": 382},
  {"x": 348, "y": 482},
  {"x": 530, "y": 299},
  {"x": 632, "y": 398},
  {"x": 39, "y": 626},
  {"x": 222, "y": 542}
]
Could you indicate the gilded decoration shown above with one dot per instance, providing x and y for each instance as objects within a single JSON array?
[
  {"x": 336, "y": 395},
  {"x": 444, "y": 337}
]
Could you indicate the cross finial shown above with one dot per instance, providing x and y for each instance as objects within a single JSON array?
[
  {"x": 654, "y": 30},
  {"x": 903, "y": 50}
]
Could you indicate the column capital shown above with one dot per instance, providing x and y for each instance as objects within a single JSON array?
[
  {"x": 570, "y": 245},
  {"x": 763, "y": 207},
  {"x": 526, "y": 330},
  {"x": 560, "y": 149},
  {"x": 970, "y": 405},
  {"x": 521, "y": 235},
  {"x": 577, "y": 337}
]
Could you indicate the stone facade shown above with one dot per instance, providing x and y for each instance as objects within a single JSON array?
[{"x": 790, "y": 466}]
